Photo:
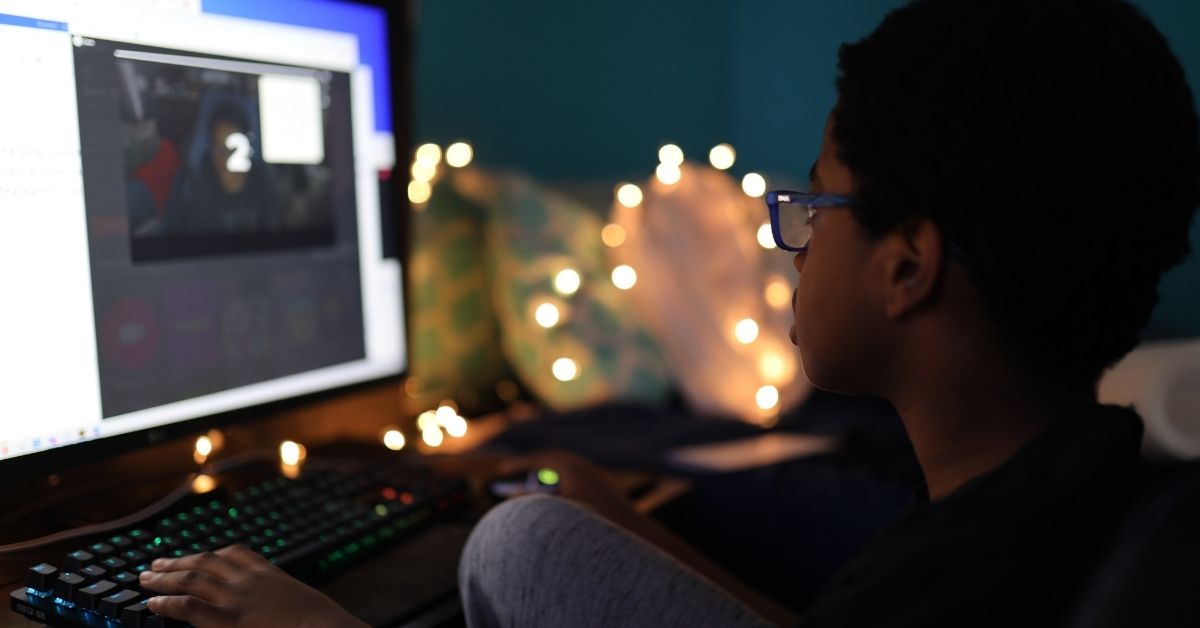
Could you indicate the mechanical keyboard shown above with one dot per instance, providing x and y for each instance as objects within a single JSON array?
[{"x": 311, "y": 526}]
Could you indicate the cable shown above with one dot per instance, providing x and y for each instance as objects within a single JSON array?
[{"x": 164, "y": 502}]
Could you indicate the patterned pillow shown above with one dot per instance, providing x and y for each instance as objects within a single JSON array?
[
  {"x": 455, "y": 345},
  {"x": 534, "y": 234}
]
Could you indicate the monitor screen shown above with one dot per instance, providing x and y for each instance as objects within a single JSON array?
[{"x": 190, "y": 213}]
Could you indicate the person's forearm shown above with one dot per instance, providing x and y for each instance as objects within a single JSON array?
[{"x": 656, "y": 534}]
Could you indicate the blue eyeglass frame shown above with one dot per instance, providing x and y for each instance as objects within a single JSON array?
[{"x": 807, "y": 200}]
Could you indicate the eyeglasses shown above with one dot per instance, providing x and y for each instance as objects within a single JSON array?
[{"x": 792, "y": 214}]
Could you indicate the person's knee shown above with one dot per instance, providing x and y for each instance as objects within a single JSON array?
[
  {"x": 516, "y": 527},
  {"x": 508, "y": 551}
]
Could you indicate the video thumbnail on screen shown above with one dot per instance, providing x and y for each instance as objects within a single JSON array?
[{"x": 223, "y": 157}]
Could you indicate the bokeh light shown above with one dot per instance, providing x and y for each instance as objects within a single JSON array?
[
  {"x": 432, "y": 436},
  {"x": 546, "y": 314},
  {"x": 624, "y": 277},
  {"x": 669, "y": 174},
  {"x": 565, "y": 369},
  {"x": 613, "y": 235},
  {"x": 767, "y": 397},
  {"x": 722, "y": 156},
  {"x": 459, "y": 154},
  {"x": 765, "y": 238},
  {"x": 670, "y": 154},
  {"x": 567, "y": 281},
  {"x": 629, "y": 195},
  {"x": 419, "y": 192},
  {"x": 754, "y": 185},
  {"x": 291, "y": 453},
  {"x": 423, "y": 171},
  {"x": 394, "y": 440},
  {"x": 778, "y": 292},
  {"x": 429, "y": 154},
  {"x": 746, "y": 331}
]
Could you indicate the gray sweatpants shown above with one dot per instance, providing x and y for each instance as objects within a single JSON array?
[{"x": 545, "y": 561}]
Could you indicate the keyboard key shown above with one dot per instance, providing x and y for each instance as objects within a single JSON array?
[
  {"x": 92, "y": 573},
  {"x": 112, "y": 605},
  {"x": 41, "y": 577},
  {"x": 67, "y": 584},
  {"x": 134, "y": 556},
  {"x": 100, "y": 549},
  {"x": 135, "y": 614},
  {"x": 78, "y": 559},
  {"x": 126, "y": 579},
  {"x": 113, "y": 563},
  {"x": 89, "y": 596}
]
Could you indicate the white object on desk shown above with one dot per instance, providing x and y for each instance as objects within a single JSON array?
[{"x": 1161, "y": 380}]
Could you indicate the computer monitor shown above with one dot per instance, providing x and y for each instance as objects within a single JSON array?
[{"x": 191, "y": 221}]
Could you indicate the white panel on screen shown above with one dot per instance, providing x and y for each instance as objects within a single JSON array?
[{"x": 290, "y": 112}]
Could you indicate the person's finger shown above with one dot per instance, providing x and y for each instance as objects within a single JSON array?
[
  {"x": 209, "y": 562},
  {"x": 195, "y": 583},
  {"x": 241, "y": 556},
  {"x": 192, "y": 610}
]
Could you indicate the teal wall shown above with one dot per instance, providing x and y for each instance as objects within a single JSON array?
[{"x": 587, "y": 91}]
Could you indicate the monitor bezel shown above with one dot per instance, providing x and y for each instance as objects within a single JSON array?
[{"x": 65, "y": 457}]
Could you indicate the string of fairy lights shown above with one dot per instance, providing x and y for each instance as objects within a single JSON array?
[{"x": 550, "y": 311}]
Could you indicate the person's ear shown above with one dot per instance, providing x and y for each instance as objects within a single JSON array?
[{"x": 914, "y": 267}]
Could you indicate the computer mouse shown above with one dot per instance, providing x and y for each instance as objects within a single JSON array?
[{"x": 541, "y": 480}]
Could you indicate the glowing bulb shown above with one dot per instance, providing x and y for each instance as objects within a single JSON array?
[
  {"x": 774, "y": 368},
  {"x": 424, "y": 171},
  {"x": 565, "y": 369},
  {"x": 624, "y": 277},
  {"x": 427, "y": 420},
  {"x": 669, "y": 174},
  {"x": 419, "y": 192},
  {"x": 456, "y": 426},
  {"x": 629, "y": 195},
  {"x": 291, "y": 453},
  {"x": 432, "y": 437},
  {"x": 721, "y": 156},
  {"x": 204, "y": 446},
  {"x": 778, "y": 293},
  {"x": 746, "y": 331},
  {"x": 767, "y": 397},
  {"x": 393, "y": 439},
  {"x": 459, "y": 154},
  {"x": 546, "y": 315},
  {"x": 670, "y": 154},
  {"x": 754, "y": 185},
  {"x": 203, "y": 483},
  {"x": 765, "y": 238},
  {"x": 613, "y": 235},
  {"x": 567, "y": 281},
  {"x": 428, "y": 153}
]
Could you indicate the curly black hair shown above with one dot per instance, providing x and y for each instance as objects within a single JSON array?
[{"x": 1054, "y": 141}]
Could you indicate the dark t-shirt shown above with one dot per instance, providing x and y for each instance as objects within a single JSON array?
[{"x": 1014, "y": 547}]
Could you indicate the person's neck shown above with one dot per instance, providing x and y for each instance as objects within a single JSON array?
[{"x": 966, "y": 424}]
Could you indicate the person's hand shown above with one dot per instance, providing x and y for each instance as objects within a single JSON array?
[
  {"x": 234, "y": 587},
  {"x": 578, "y": 480}
]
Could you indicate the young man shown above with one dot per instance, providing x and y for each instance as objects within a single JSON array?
[{"x": 1000, "y": 187}]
